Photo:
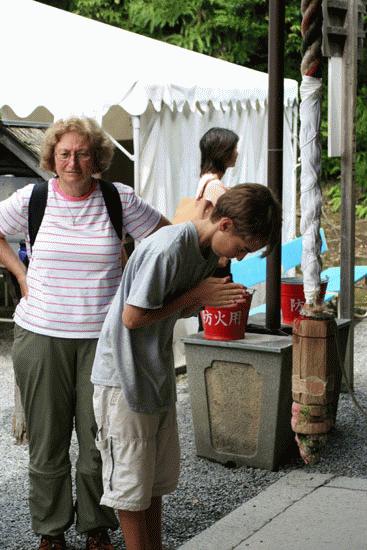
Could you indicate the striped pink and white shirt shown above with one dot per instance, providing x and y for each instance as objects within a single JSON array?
[{"x": 75, "y": 265}]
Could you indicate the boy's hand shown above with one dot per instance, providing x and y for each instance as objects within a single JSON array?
[
  {"x": 218, "y": 292},
  {"x": 210, "y": 292}
]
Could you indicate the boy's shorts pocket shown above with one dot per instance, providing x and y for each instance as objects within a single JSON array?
[{"x": 105, "y": 447}]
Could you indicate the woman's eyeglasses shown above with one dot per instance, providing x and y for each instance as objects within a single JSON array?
[{"x": 78, "y": 155}]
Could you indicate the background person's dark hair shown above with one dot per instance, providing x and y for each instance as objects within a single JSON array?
[{"x": 217, "y": 146}]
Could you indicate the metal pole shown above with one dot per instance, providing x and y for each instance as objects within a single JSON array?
[
  {"x": 347, "y": 228},
  {"x": 136, "y": 143},
  {"x": 275, "y": 149},
  {"x": 120, "y": 147}
]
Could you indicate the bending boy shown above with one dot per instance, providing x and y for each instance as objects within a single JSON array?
[{"x": 167, "y": 277}]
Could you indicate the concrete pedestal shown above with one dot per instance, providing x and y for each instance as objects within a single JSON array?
[{"x": 241, "y": 398}]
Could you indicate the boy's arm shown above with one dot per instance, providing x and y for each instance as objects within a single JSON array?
[{"x": 212, "y": 291}]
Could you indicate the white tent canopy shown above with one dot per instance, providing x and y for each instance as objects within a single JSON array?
[
  {"x": 65, "y": 61},
  {"x": 73, "y": 65}
]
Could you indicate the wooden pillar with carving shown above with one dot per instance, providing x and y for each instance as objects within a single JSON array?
[{"x": 316, "y": 380}]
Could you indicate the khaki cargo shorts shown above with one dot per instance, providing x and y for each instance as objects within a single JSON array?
[{"x": 140, "y": 452}]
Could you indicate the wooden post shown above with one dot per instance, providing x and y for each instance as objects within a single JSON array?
[
  {"x": 347, "y": 228},
  {"x": 316, "y": 371},
  {"x": 275, "y": 149},
  {"x": 315, "y": 384}
]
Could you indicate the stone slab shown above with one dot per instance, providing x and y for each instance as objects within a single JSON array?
[
  {"x": 354, "y": 483},
  {"x": 299, "y": 512},
  {"x": 252, "y": 341},
  {"x": 250, "y": 518},
  {"x": 328, "y": 518}
]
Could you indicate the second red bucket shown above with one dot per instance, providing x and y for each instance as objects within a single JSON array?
[
  {"x": 293, "y": 298},
  {"x": 226, "y": 323}
]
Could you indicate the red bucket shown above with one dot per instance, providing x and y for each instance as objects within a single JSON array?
[
  {"x": 226, "y": 323},
  {"x": 293, "y": 298}
]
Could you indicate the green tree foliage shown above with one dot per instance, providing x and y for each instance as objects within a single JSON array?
[
  {"x": 62, "y": 4},
  {"x": 361, "y": 156},
  {"x": 112, "y": 12},
  {"x": 216, "y": 27},
  {"x": 331, "y": 166},
  {"x": 361, "y": 139},
  {"x": 234, "y": 30}
]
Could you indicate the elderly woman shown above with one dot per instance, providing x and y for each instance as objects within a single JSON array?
[{"x": 73, "y": 274}]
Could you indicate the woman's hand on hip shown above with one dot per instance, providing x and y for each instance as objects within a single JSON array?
[{"x": 22, "y": 281}]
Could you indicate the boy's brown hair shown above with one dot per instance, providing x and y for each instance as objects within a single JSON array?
[{"x": 254, "y": 211}]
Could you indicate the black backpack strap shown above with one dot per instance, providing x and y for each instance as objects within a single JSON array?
[
  {"x": 113, "y": 204},
  {"x": 38, "y": 201},
  {"x": 36, "y": 209}
]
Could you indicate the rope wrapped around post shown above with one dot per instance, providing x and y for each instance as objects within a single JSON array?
[
  {"x": 310, "y": 148},
  {"x": 315, "y": 386},
  {"x": 311, "y": 30}
]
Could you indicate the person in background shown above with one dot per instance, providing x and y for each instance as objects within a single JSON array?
[
  {"x": 218, "y": 148},
  {"x": 167, "y": 277},
  {"x": 73, "y": 274}
]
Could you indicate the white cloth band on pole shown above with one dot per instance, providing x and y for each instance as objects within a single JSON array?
[
  {"x": 311, "y": 200},
  {"x": 136, "y": 142}
]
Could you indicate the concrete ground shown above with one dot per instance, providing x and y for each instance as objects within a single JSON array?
[{"x": 300, "y": 512}]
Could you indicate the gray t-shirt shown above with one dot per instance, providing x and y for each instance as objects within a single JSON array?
[{"x": 163, "y": 266}]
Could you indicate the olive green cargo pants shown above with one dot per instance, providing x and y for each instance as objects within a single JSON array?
[{"x": 53, "y": 375}]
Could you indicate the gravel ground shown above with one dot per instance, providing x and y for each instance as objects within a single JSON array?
[{"x": 207, "y": 490}]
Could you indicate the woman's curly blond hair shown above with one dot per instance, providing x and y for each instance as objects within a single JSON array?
[{"x": 101, "y": 146}]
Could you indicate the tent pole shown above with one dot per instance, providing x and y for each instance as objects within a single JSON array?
[
  {"x": 120, "y": 147},
  {"x": 275, "y": 149},
  {"x": 136, "y": 142},
  {"x": 295, "y": 167}
]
